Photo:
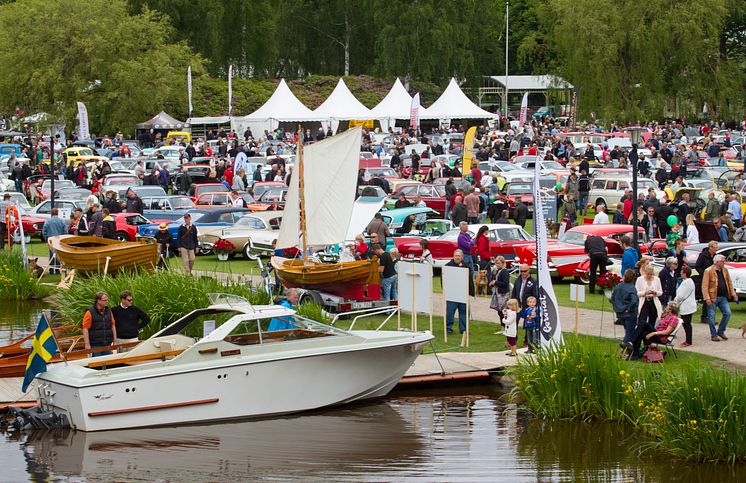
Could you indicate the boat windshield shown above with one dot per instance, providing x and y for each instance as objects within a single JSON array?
[{"x": 279, "y": 329}]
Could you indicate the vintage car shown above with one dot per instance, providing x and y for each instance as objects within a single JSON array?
[
  {"x": 42, "y": 192},
  {"x": 395, "y": 218},
  {"x": 80, "y": 194},
  {"x": 253, "y": 235},
  {"x": 200, "y": 218},
  {"x": 166, "y": 207},
  {"x": 265, "y": 201},
  {"x": 196, "y": 190},
  {"x": 66, "y": 207},
  {"x": 117, "y": 182},
  {"x": 260, "y": 187},
  {"x": 508, "y": 196},
  {"x": 607, "y": 190},
  {"x": 214, "y": 200},
  {"x": 566, "y": 255},
  {"x": 433, "y": 196},
  {"x": 32, "y": 225},
  {"x": 503, "y": 240},
  {"x": 128, "y": 225}
]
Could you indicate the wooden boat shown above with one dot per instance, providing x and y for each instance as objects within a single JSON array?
[
  {"x": 90, "y": 253},
  {"x": 17, "y": 348},
  {"x": 306, "y": 273}
]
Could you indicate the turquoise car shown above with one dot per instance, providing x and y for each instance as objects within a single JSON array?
[{"x": 395, "y": 220}]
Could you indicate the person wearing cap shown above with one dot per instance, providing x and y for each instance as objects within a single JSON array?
[
  {"x": 187, "y": 243},
  {"x": 164, "y": 240}
]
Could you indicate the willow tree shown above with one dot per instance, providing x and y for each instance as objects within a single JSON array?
[{"x": 123, "y": 67}]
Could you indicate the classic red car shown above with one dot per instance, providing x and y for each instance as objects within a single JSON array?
[
  {"x": 503, "y": 241},
  {"x": 566, "y": 256},
  {"x": 127, "y": 224},
  {"x": 433, "y": 196},
  {"x": 32, "y": 225},
  {"x": 508, "y": 196},
  {"x": 196, "y": 190}
]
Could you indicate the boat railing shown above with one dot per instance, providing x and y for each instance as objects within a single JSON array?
[
  {"x": 391, "y": 310},
  {"x": 227, "y": 299}
]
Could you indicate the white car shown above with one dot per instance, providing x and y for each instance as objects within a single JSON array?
[
  {"x": 169, "y": 152},
  {"x": 608, "y": 190},
  {"x": 253, "y": 235},
  {"x": 66, "y": 207}
]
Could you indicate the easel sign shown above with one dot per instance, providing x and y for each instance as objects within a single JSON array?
[
  {"x": 577, "y": 295},
  {"x": 456, "y": 289},
  {"x": 415, "y": 290}
]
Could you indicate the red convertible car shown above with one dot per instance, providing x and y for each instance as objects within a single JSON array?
[
  {"x": 567, "y": 255},
  {"x": 503, "y": 241},
  {"x": 433, "y": 196}
]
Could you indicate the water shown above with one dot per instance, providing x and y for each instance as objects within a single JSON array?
[{"x": 463, "y": 434}]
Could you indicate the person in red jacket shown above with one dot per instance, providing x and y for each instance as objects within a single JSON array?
[{"x": 482, "y": 244}]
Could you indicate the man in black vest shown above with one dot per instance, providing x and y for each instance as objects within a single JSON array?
[{"x": 99, "y": 327}]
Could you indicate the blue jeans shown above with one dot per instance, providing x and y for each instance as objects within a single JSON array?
[
  {"x": 583, "y": 201},
  {"x": 722, "y": 304},
  {"x": 532, "y": 338},
  {"x": 629, "y": 319},
  {"x": 451, "y": 308},
  {"x": 469, "y": 261},
  {"x": 388, "y": 288}
]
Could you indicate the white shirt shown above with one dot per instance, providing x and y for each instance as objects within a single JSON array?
[
  {"x": 511, "y": 325},
  {"x": 238, "y": 202},
  {"x": 685, "y": 297},
  {"x": 601, "y": 218},
  {"x": 692, "y": 235}
]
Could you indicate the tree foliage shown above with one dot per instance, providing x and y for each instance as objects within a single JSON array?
[{"x": 125, "y": 68}]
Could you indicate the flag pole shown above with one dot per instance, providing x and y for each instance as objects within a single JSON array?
[{"x": 59, "y": 349}]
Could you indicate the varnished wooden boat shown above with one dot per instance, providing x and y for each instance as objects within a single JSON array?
[
  {"x": 21, "y": 347},
  {"x": 309, "y": 274},
  {"x": 90, "y": 253}
]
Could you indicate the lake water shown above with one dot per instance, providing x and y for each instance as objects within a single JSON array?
[{"x": 460, "y": 434}]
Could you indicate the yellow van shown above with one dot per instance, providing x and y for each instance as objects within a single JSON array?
[{"x": 181, "y": 136}]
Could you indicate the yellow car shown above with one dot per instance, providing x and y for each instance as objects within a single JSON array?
[
  {"x": 77, "y": 154},
  {"x": 181, "y": 136}
]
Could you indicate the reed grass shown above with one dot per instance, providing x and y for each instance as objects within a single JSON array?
[
  {"x": 164, "y": 295},
  {"x": 689, "y": 411},
  {"x": 16, "y": 282}
]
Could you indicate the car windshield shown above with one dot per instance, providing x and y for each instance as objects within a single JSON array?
[
  {"x": 84, "y": 152},
  {"x": 182, "y": 203},
  {"x": 272, "y": 195},
  {"x": 213, "y": 188},
  {"x": 137, "y": 220},
  {"x": 515, "y": 189},
  {"x": 452, "y": 235},
  {"x": 552, "y": 165},
  {"x": 59, "y": 184},
  {"x": 250, "y": 222},
  {"x": 505, "y": 166},
  {"x": 384, "y": 172},
  {"x": 128, "y": 180},
  {"x": 195, "y": 217},
  {"x": 512, "y": 234},
  {"x": 435, "y": 228},
  {"x": 574, "y": 237}
]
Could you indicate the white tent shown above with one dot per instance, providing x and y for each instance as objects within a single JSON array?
[
  {"x": 341, "y": 105},
  {"x": 453, "y": 104},
  {"x": 396, "y": 105},
  {"x": 282, "y": 106}
]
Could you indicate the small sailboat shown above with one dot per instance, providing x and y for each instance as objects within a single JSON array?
[
  {"x": 96, "y": 254},
  {"x": 318, "y": 210}
]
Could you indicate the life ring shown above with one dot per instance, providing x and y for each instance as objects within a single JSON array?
[{"x": 11, "y": 218}]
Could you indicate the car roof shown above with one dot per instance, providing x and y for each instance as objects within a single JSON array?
[
  {"x": 491, "y": 226},
  {"x": 265, "y": 215},
  {"x": 605, "y": 228}
]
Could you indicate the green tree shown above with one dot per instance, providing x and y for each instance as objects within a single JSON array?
[{"x": 125, "y": 68}]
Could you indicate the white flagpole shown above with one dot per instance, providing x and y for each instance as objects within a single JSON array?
[
  {"x": 189, "y": 88},
  {"x": 230, "y": 89}
]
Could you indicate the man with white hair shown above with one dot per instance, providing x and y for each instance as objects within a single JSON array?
[
  {"x": 717, "y": 290},
  {"x": 601, "y": 217}
]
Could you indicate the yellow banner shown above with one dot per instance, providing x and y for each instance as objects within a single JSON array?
[
  {"x": 367, "y": 124},
  {"x": 468, "y": 150}
]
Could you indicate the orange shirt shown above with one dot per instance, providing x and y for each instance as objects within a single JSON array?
[{"x": 87, "y": 319}]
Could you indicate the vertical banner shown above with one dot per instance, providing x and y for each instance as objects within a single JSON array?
[
  {"x": 414, "y": 112},
  {"x": 468, "y": 150},
  {"x": 83, "y": 132},
  {"x": 189, "y": 89},
  {"x": 524, "y": 108},
  {"x": 549, "y": 319},
  {"x": 230, "y": 89}
]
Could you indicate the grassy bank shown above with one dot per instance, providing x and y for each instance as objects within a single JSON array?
[
  {"x": 689, "y": 409},
  {"x": 16, "y": 282}
]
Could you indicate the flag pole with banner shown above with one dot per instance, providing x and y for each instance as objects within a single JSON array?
[
  {"x": 468, "y": 151},
  {"x": 189, "y": 89},
  {"x": 550, "y": 328},
  {"x": 414, "y": 112},
  {"x": 230, "y": 89},
  {"x": 524, "y": 109},
  {"x": 43, "y": 348},
  {"x": 84, "y": 131}
]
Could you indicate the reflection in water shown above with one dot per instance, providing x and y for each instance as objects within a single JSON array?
[{"x": 18, "y": 318}]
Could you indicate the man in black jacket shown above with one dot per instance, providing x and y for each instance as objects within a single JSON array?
[
  {"x": 524, "y": 287},
  {"x": 129, "y": 319},
  {"x": 187, "y": 243},
  {"x": 595, "y": 247},
  {"x": 134, "y": 203},
  {"x": 520, "y": 212},
  {"x": 704, "y": 261}
]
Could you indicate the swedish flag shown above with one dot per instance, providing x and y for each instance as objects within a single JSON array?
[{"x": 43, "y": 348}]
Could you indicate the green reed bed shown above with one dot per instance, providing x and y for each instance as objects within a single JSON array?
[
  {"x": 164, "y": 295},
  {"x": 16, "y": 283},
  {"x": 691, "y": 411}
]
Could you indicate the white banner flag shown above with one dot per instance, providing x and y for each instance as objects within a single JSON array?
[
  {"x": 84, "y": 132},
  {"x": 230, "y": 89},
  {"x": 414, "y": 112},
  {"x": 549, "y": 326},
  {"x": 524, "y": 109},
  {"x": 189, "y": 88}
]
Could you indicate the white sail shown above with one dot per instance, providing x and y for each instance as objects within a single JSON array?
[{"x": 330, "y": 180}]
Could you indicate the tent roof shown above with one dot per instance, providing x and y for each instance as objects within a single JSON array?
[
  {"x": 283, "y": 106},
  {"x": 532, "y": 82},
  {"x": 341, "y": 104},
  {"x": 396, "y": 104},
  {"x": 453, "y": 104},
  {"x": 162, "y": 121},
  {"x": 209, "y": 120}
]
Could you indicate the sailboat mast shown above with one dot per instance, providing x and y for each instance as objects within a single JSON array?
[{"x": 301, "y": 195}]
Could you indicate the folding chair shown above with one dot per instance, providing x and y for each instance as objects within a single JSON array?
[{"x": 670, "y": 338}]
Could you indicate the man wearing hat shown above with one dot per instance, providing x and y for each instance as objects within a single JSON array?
[
  {"x": 164, "y": 239},
  {"x": 187, "y": 243}
]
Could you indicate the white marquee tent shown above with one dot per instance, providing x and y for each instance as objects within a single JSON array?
[
  {"x": 282, "y": 106},
  {"x": 341, "y": 105},
  {"x": 453, "y": 104},
  {"x": 396, "y": 105}
]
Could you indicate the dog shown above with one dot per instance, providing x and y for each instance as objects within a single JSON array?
[
  {"x": 480, "y": 282},
  {"x": 743, "y": 330},
  {"x": 34, "y": 268}
]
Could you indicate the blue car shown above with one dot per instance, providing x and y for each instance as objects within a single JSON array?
[{"x": 200, "y": 217}]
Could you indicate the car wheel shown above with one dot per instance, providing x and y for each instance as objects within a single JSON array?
[
  {"x": 582, "y": 280},
  {"x": 601, "y": 202},
  {"x": 122, "y": 236},
  {"x": 247, "y": 252}
]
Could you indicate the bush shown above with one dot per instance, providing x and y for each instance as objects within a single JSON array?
[
  {"x": 16, "y": 283},
  {"x": 164, "y": 295},
  {"x": 691, "y": 412}
]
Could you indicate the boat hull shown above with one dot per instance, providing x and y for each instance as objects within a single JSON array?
[
  {"x": 89, "y": 254},
  {"x": 307, "y": 274},
  {"x": 239, "y": 388}
]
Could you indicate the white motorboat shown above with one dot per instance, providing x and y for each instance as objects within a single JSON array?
[{"x": 258, "y": 361}]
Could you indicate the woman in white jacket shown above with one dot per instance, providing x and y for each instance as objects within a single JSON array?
[
  {"x": 687, "y": 302},
  {"x": 648, "y": 290}
]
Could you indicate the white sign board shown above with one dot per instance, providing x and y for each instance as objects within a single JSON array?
[
  {"x": 207, "y": 327},
  {"x": 456, "y": 284},
  {"x": 577, "y": 293},
  {"x": 415, "y": 286}
]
